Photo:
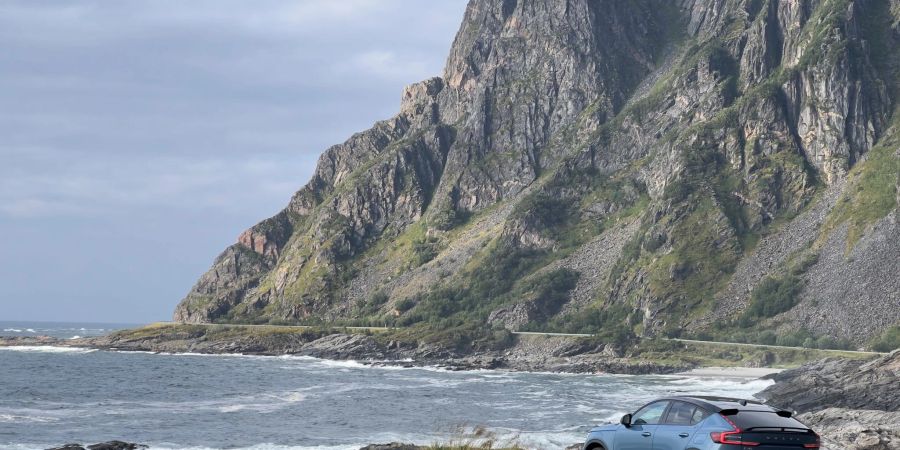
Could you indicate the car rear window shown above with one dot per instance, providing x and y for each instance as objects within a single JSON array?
[
  {"x": 763, "y": 419},
  {"x": 682, "y": 413}
]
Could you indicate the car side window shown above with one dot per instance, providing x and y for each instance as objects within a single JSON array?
[
  {"x": 699, "y": 415},
  {"x": 680, "y": 413},
  {"x": 650, "y": 414}
]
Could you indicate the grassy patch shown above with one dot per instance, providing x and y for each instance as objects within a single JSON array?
[{"x": 871, "y": 192}]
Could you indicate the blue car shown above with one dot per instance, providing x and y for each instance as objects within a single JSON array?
[{"x": 704, "y": 423}]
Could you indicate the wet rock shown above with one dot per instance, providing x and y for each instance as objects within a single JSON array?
[
  {"x": 393, "y": 446},
  {"x": 111, "y": 445},
  {"x": 116, "y": 445},
  {"x": 838, "y": 383},
  {"x": 344, "y": 346}
]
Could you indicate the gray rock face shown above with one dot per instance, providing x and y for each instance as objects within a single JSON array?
[
  {"x": 700, "y": 124},
  {"x": 393, "y": 446},
  {"x": 853, "y": 429},
  {"x": 857, "y": 292},
  {"x": 853, "y": 405},
  {"x": 838, "y": 383},
  {"x": 111, "y": 445}
]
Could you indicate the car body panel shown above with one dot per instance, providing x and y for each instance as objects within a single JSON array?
[
  {"x": 636, "y": 437},
  {"x": 714, "y": 414},
  {"x": 673, "y": 437}
]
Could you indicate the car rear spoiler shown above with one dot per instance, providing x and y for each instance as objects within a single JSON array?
[{"x": 733, "y": 411}]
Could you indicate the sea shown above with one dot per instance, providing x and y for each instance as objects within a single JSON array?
[{"x": 52, "y": 396}]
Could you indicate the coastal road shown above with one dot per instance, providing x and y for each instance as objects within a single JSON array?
[{"x": 535, "y": 333}]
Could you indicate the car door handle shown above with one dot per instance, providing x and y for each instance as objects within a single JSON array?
[
  {"x": 683, "y": 434},
  {"x": 645, "y": 434}
]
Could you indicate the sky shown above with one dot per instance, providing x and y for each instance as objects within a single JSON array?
[{"x": 139, "y": 138}]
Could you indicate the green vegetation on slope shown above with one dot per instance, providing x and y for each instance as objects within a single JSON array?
[
  {"x": 888, "y": 341},
  {"x": 871, "y": 192}
]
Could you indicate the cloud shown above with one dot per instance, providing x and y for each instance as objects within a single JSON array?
[
  {"x": 145, "y": 135},
  {"x": 167, "y": 102},
  {"x": 386, "y": 64}
]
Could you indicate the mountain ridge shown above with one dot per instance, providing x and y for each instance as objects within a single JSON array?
[{"x": 623, "y": 167}]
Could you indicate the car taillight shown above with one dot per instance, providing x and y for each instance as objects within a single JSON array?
[
  {"x": 813, "y": 444},
  {"x": 733, "y": 437}
]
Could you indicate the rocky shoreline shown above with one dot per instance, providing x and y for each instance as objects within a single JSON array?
[
  {"x": 853, "y": 405},
  {"x": 561, "y": 355},
  {"x": 111, "y": 445}
]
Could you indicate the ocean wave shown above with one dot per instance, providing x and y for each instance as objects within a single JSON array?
[
  {"x": 12, "y": 330},
  {"x": 263, "y": 447},
  {"x": 169, "y": 446},
  {"x": 47, "y": 349},
  {"x": 18, "y": 418},
  {"x": 723, "y": 386}
]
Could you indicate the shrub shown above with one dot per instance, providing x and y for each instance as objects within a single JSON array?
[
  {"x": 610, "y": 324},
  {"x": 772, "y": 297},
  {"x": 424, "y": 250},
  {"x": 405, "y": 305},
  {"x": 888, "y": 341},
  {"x": 767, "y": 337},
  {"x": 379, "y": 298}
]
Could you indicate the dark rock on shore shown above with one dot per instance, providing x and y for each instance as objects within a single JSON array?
[
  {"x": 111, "y": 445},
  {"x": 853, "y": 405},
  {"x": 393, "y": 446},
  {"x": 838, "y": 383}
]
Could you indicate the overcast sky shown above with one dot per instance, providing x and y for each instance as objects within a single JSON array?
[{"x": 139, "y": 138}]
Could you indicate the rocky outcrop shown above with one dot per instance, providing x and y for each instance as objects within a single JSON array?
[
  {"x": 672, "y": 154},
  {"x": 838, "y": 383},
  {"x": 393, "y": 446},
  {"x": 852, "y": 404},
  {"x": 854, "y": 429},
  {"x": 111, "y": 445}
]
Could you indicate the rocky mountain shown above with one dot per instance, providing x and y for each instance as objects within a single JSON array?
[{"x": 626, "y": 166}]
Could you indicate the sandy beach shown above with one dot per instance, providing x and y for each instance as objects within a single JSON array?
[{"x": 732, "y": 372}]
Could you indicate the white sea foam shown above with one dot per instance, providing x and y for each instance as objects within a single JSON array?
[
  {"x": 723, "y": 386},
  {"x": 18, "y": 418},
  {"x": 14, "y": 330},
  {"x": 30, "y": 330}
]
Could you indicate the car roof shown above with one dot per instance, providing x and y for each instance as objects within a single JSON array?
[{"x": 717, "y": 404}]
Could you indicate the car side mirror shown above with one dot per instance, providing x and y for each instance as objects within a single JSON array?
[{"x": 626, "y": 420}]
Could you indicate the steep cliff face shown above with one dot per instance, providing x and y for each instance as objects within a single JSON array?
[{"x": 598, "y": 164}]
